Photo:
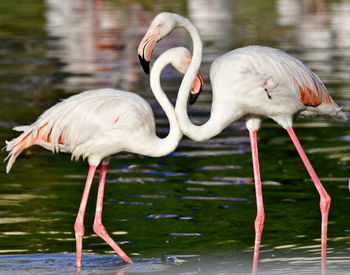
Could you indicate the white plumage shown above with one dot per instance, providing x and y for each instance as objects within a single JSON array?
[
  {"x": 251, "y": 82},
  {"x": 98, "y": 123},
  {"x": 86, "y": 121},
  {"x": 267, "y": 82}
]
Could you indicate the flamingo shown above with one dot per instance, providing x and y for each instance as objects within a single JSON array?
[
  {"x": 251, "y": 82},
  {"x": 96, "y": 124}
]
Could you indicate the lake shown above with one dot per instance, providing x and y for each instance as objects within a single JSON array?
[{"x": 193, "y": 211}]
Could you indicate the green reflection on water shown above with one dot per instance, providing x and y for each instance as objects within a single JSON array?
[
  {"x": 21, "y": 18},
  {"x": 40, "y": 198}
]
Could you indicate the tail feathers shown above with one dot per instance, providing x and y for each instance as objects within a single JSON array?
[
  {"x": 22, "y": 128},
  {"x": 16, "y": 146},
  {"x": 38, "y": 134},
  {"x": 343, "y": 116},
  {"x": 335, "y": 112}
]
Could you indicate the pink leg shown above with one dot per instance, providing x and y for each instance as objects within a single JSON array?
[
  {"x": 98, "y": 226},
  {"x": 79, "y": 222},
  {"x": 325, "y": 199},
  {"x": 260, "y": 216}
]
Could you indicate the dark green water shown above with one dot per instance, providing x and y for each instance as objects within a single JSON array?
[{"x": 198, "y": 202}]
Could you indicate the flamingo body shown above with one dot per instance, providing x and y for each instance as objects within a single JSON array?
[
  {"x": 96, "y": 124},
  {"x": 268, "y": 82},
  {"x": 257, "y": 81},
  {"x": 251, "y": 82},
  {"x": 93, "y": 124}
]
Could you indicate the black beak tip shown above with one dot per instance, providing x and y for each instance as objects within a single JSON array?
[
  {"x": 144, "y": 64},
  {"x": 193, "y": 97}
]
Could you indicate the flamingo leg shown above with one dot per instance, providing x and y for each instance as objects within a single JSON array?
[
  {"x": 79, "y": 222},
  {"x": 325, "y": 199},
  {"x": 260, "y": 216},
  {"x": 98, "y": 227}
]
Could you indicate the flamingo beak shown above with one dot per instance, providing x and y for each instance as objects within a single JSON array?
[
  {"x": 146, "y": 47},
  {"x": 197, "y": 87},
  {"x": 144, "y": 64}
]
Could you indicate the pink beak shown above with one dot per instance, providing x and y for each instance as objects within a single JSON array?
[{"x": 146, "y": 47}]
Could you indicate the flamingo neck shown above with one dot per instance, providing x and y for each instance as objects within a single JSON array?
[
  {"x": 215, "y": 124},
  {"x": 164, "y": 146}
]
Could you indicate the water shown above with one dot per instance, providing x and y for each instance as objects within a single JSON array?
[{"x": 191, "y": 212}]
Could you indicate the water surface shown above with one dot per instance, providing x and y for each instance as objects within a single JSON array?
[{"x": 191, "y": 212}]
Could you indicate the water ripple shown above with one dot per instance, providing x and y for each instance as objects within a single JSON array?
[
  {"x": 162, "y": 216},
  {"x": 177, "y": 259},
  {"x": 185, "y": 234},
  {"x": 212, "y": 183},
  {"x": 10, "y": 220},
  {"x": 186, "y": 218},
  {"x": 213, "y": 198},
  {"x": 329, "y": 149},
  {"x": 196, "y": 189},
  {"x": 219, "y": 167},
  {"x": 204, "y": 153},
  {"x": 126, "y": 219},
  {"x": 235, "y": 180},
  {"x": 135, "y": 202},
  {"x": 135, "y": 180},
  {"x": 227, "y": 206},
  {"x": 146, "y": 171},
  {"x": 221, "y": 141},
  {"x": 151, "y": 196}
]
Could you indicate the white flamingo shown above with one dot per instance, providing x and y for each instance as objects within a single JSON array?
[
  {"x": 251, "y": 82},
  {"x": 96, "y": 124}
]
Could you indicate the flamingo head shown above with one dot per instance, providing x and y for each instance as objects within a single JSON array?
[
  {"x": 161, "y": 26},
  {"x": 181, "y": 63}
]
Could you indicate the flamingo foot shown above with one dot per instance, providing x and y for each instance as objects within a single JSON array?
[{"x": 100, "y": 230}]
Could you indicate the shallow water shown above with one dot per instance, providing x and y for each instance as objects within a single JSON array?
[{"x": 191, "y": 212}]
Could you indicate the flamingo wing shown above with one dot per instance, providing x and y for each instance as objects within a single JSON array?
[
  {"x": 299, "y": 79},
  {"x": 276, "y": 68},
  {"x": 312, "y": 91},
  {"x": 78, "y": 119}
]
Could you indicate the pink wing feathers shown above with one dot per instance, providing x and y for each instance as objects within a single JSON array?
[
  {"x": 27, "y": 139},
  {"x": 68, "y": 123},
  {"x": 313, "y": 92},
  {"x": 288, "y": 70}
]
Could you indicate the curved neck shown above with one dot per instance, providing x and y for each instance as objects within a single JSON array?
[
  {"x": 168, "y": 144},
  {"x": 213, "y": 126}
]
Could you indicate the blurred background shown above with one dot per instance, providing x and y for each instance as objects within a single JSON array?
[{"x": 200, "y": 200}]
